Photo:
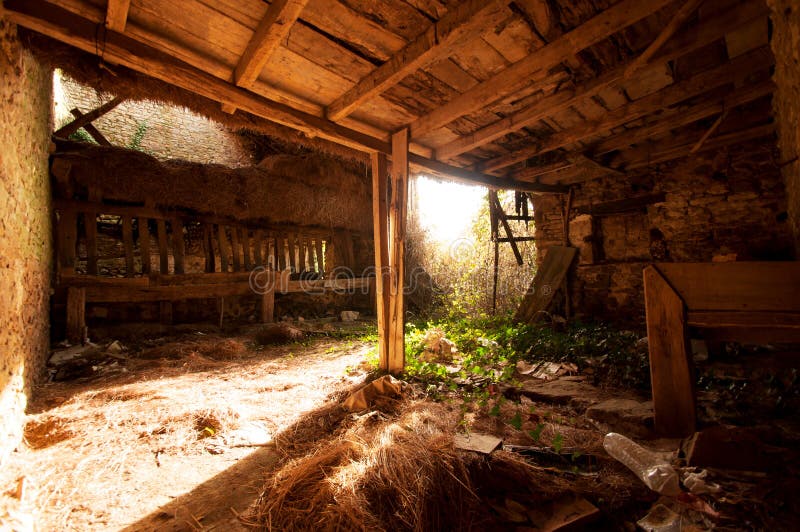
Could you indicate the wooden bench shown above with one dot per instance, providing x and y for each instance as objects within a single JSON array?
[{"x": 756, "y": 302}]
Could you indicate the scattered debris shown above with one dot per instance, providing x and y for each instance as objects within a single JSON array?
[
  {"x": 569, "y": 512},
  {"x": 562, "y": 391},
  {"x": 697, "y": 483},
  {"x": 656, "y": 472},
  {"x": 546, "y": 370},
  {"x": 660, "y": 519},
  {"x": 115, "y": 347},
  {"x": 623, "y": 416},
  {"x": 387, "y": 387},
  {"x": 277, "y": 333},
  {"x": 63, "y": 356},
  {"x": 437, "y": 347},
  {"x": 476, "y": 441}
]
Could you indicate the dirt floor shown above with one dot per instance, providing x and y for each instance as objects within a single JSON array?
[{"x": 198, "y": 430}]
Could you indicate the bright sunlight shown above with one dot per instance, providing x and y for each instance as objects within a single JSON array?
[{"x": 446, "y": 209}]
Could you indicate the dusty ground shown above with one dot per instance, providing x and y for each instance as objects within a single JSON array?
[{"x": 146, "y": 435}]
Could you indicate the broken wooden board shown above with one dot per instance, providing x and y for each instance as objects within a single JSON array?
[
  {"x": 570, "y": 512},
  {"x": 475, "y": 441},
  {"x": 547, "y": 281}
]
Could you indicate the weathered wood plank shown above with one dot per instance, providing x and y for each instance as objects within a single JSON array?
[
  {"x": 397, "y": 233},
  {"x": 236, "y": 249},
  {"x": 670, "y": 364},
  {"x": 76, "y": 315},
  {"x": 178, "y": 246},
  {"x": 248, "y": 261},
  {"x": 258, "y": 243},
  {"x": 380, "y": 223},
  {"x": 208, "y": 248},
  {"x": 127, "y": 242},
  {"x": 144, "y": 245},
  {"x": 117, "y": 14},
  {"x": 545, "y": 284},
  {"x": 463, "y": 22},
  {"x": 91, "y": 130},
  {"x": 90, "y": 224},
  {"x": 224, "y": 248},
  {"x": 163, "y": 247},
  {"x": 268, "y": 306},
  {"x": 320, "y": 255}
]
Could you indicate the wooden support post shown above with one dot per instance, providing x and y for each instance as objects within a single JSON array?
[
  {"x": 163, "y": 248},
  {"x": 320, "y": 255},
  {"x": 144, "y": 245},
  {"x": 178, "y": 250},
  {"x": 208, "y": 244},
  {"x": 277, "y": 252},
  {"x": 236, "y": 249},
  {"x": 283, "y": 253},
  {"x": 268, "y": 303},
  {"x": 90, "y": 224},
  {"x": 380, "y": 224},
  {"x": 258, "y": 241},
  {"x": 76, "y": 315},
  {"x": 301, "y": 246},
  {"x": 223, "y": 248},
  {"x": 671, "y": 372},
  {"x": 248, "y": 261},
  {"x": 67, "y": 239},
  {"x": 127, "y": 242},
  {"x": 397, "y": 241}
]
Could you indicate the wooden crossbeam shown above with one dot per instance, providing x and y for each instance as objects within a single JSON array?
[
  {"x": 61, "y": 24},
  {"x": 89, "y": 117},
  {"x": 519, "y": 75},
  {"x": 501, "y": 216},
  {"x": 681, "y": 44},
  {"x": 117, "y": 14},
  {"x": 462, "y": 23},
  {"x": 91, "y": 130},
  {"x": 677, "y": 20},
  {"x": 736, "y": 69}
]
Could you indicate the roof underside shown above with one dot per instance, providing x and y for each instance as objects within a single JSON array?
[{"x": 529, "y": 91}]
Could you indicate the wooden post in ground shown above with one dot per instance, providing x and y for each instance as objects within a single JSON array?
[
  {"x": 76, "y": 314},
  {"x": 127, "y": 241},
  {"x": 670, "y": 363},
  {"x": 268, "y": 299},
  {"x": 397, "y": 240},
  {"x": 380, "y": 223}
]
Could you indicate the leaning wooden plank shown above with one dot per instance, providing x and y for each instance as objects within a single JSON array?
[
  {"x": 498, "y": 209},
  {"x": 89, "y": 117},
  {"x": 117, "y": 14},
  {"x": 163, "y": 247},
  {"x": 397, "y": 235},
  {"x": 465, "y": 21},
  {"x": 127, "y": 241},
  {"x": 380, "y": 222},
  {"x": 546, "y": 283},
  {"x": 76, "y": 315},
  {"x": 518, "y": 75},
  {"x": 178, "y": 246},
  {"x": 670, "y": 364},
  {"x": 91, "y": 130}
]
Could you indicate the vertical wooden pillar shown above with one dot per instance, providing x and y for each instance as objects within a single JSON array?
[
  {"x": 223, "y": 248},
  {"x": 127, "y": 242},
  {"x": 380, "y": 223},
  {"x": 397, "y": 240},
  {"x": 208, "y": 244},
  {"x": 671, "y": 372},
  {"x": 248, "y": 262},
  {"x": 258, "y": 241},
  {"x": 320, "y": 255},
  {"x": 90, "y": 223},
  {"x": 268, "y": 301},
  {"x": 236, "y": 249},
  {"x": 178, "y": 246},
  {"x": 144, "y": 245},
  {"x": 163, "y": 249},
  {"x": 76, "y": 315}
]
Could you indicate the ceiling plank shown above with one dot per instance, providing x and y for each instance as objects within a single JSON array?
[
  {"x": 272, "y": 29},
  {"x": 60, "y": 24},
  {"x": 736, "y": 69},
  {"x": 519, "y": 75},
  {"x": 117, "y": 14},
  {"x": 464, "y": 22},
  {"x": 681, "y": 44},
  {"x": 675, "y": 23}
]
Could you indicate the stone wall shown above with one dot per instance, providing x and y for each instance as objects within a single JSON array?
[
  {"x": 25, "y": 241},
  {"x": 723, "y": 205},
  {"x": 163, "y": 131},
  {"x": 786, "y": 45}
]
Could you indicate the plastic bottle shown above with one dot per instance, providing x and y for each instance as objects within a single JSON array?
[{"x": 651, "y": 468}]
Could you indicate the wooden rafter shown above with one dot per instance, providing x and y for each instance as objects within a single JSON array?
[
  {"x": 680, "y": 45},
  {"x": 89, "y": 117},
  {"x": 272, "y": 29},
  {"x": 536, "y": 65},
  {"x": 464, "y": 22},
  {"x": 734, "y": 70},
  {"x": 117, "y": 14},
  {"x": 77, "y": 31}
]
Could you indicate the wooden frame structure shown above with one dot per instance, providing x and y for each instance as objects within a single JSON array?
[
  {"x": 745, "y": 301},
  {"x": 510, "y": 95}
]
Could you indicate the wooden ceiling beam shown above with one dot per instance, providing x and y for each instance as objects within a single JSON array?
[
  {"x": 459, "y": 25},
  {"x": 520, "y": 74},
  {"x": 117, "y": 14},
  {"x": 63, "y": 25},
  {"x": 735, "y": 70},
  {"x": 272, "y": 29},
  {"x": 681, "y": 44}
]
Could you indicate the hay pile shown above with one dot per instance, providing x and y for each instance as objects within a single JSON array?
[
  {"x": 309, "y": 190},
  {"x": 370, "y": 472}
]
